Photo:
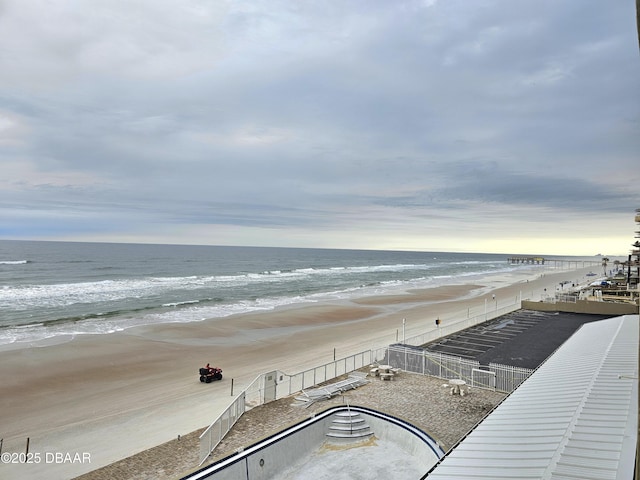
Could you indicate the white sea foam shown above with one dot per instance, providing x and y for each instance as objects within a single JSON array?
[
  {"x": 76, "y": 289},
  {"x": 193, "y": 298},
  {"x": 177, "y": 304},
  {"x": 193, "y": 311},
  {"x": 24, "y": 297},
  {"x": 37, "y": 332}
]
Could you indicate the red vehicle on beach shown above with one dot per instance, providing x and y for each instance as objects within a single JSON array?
[{"x": 209, "y": 374}]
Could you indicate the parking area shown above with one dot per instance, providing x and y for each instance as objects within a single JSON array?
[{"x": 524, "y": 338}]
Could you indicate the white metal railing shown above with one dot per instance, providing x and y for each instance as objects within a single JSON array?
[
  {"x": 564, "y": 298},
  {"x": 255, "y": 393},
  {"x": 450, "y": 327},
  {"x": 289, "y": 384},
  {"x": 213, "y": 435},
  {"x": 508, "y": 378},
  {"x": 503, "y": 378}
]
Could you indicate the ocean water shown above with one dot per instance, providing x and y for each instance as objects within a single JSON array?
[{"x": 49, "y": 289}]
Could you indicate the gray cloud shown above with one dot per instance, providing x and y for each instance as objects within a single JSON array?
[{"x": 368, "y": 116}]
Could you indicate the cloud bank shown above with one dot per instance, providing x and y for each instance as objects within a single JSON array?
[{"x": 504, "y": 126}]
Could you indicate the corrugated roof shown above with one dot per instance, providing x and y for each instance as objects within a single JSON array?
[{"x": 576, "y": 417}]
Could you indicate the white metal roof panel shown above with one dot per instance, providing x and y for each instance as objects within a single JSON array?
[{"x": 576, "y": 417}]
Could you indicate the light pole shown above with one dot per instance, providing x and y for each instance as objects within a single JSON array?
[
  {"x": 404, "y": 321},
  {"x": 404, "y": 344}
]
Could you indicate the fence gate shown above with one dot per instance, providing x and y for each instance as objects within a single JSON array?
[
  {"x": 483, "y": 378},
  {"x": 270, "y": 386}
]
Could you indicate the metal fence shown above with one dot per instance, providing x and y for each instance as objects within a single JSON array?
[
  {"x": 212, "y": 436},
  {"x": 508, "y": 378},
  {"x": 452, "y": 326},
  {"x": 564, "y": 298},
  {"x": 274, "y": 385},
  {"x": 503, "y": 378},
  {"x": 289, "y": 384}
]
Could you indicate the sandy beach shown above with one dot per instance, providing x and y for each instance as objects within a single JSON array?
[{"x": 92, "y": 400}]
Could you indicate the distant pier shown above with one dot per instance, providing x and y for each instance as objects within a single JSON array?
[
  {"x": 528, "y": 260},
  {"x": 554, "y": 262}
]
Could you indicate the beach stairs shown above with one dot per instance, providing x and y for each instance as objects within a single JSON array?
[
  {"x": 310, "y": 396},
  {"x": 348, "y": 427}
]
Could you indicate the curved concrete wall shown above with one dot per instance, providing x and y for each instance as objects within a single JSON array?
[
  {"x": 266, "y": 459},
  {"x": 415, "y": 442}
]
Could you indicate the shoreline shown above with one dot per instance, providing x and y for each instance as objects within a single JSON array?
[
  {"x": 114, "y": 395},
  {"x": 57, "y": 331}
]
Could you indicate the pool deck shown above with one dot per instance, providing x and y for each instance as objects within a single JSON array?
[{"x": 420, "y": 400}]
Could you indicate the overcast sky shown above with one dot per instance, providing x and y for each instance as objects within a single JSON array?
[{"x": 491, "y": 126}]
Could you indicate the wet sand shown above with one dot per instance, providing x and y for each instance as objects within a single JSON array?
[{"x": 106, "y": 397}]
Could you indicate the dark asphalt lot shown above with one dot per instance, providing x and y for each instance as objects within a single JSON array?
[{"x": 524, "y": 338}]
